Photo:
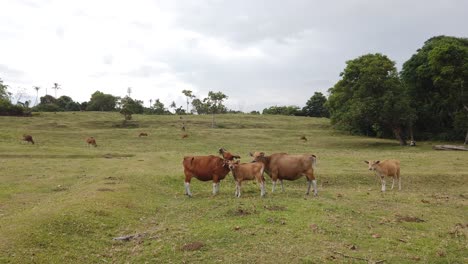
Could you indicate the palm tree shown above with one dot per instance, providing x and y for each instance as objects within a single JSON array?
[
  {"x": 188, "y": 94},
  {"x": 37, "y": 88},
  {"x": 56, "y": 87}
]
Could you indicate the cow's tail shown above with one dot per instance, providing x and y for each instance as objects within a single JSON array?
[{"x": 314, "y": 161}]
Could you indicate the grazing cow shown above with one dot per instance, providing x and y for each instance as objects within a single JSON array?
[
  {"x": 143, "y": 134},
  {"x": 304, "y": 138},
  {"x": 28, "y": 138},
  {"x": 185, "y": 136},
  {"x": 282, "y": 166},
  {"x": 227, "y": 155},
  {"x": 245, "y": 172},
  {"x": 389, "y": 168},
  {"x": 412, "y": 143},
  {"x": 91, "y": 141},
  {"x": 204, "y": 168}
]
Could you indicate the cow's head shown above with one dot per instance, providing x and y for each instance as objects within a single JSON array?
[
  {"x": 221, "y": 151},
  {"x": 257, "y": 156},
  {"x": 232, "y": 164},
  {"x": 372, "y": 164}
]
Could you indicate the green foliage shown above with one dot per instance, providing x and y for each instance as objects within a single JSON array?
[
  {"x": 6, "y": 107},
  {"x": 48, "y": 103},
  {"x": 200, "y": 107},
  {"x": 158, "y": 108},
  {"x": 282, "y": 110},
  {"x": 102, "y": 102},
  {"x": 437, "y": 81},
  {"x": 370, "y": 99},
  {"x": 134, "y": 106},
  {"x": 315, "y": 106}
]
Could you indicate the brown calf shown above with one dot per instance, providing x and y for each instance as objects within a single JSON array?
[
  {"x": 282, "y": 166},
  {"x": 142, "y": 134},
  {"x": 227, "y": 155},
  {"x": 389, "y": 168},
  {"x": 28, "y": 138},
  {"x": 91, "y": 141},
  {"x": 185, "y": 136},
  {"x": 245, "y": 172},
  {"x": 304, "y": 138},
  {"x": 204, "y": 168}
]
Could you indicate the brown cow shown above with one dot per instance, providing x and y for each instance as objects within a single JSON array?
[
  {"x": 389, "y": 168},
  {"x": 28, "y": 138},
  {"x": 91, "y": 141},
  {"x": 185, "y": 136},
  {"x": 204, "y": 168},
  {"x": 282, "y": 166},
  {"x": 247, "y": 171},
  {"x": 143, "y": 134},
  {"x": 227, "y": 155},
  {"x": 303, "y": 138}
]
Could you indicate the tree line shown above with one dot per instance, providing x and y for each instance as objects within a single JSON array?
[{"x": 427, "y": 99}]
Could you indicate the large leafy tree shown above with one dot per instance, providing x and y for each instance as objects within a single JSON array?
[
  {"x": 215, "y": 105},
  {"x": 282, "y": 110},
  {"x": 436, "y": 77},
  {"x": 370, "y": 99},
  {"x": 315, "y": 106},
  {"x": 102, "y": 102}
]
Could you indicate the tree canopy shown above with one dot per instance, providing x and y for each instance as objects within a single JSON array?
[
  {"x": 370, "y": 99},
  {"x": 102, "y": 102},
  {"x": 315, "y": 106},
  {"x": 436, "y": 77}
]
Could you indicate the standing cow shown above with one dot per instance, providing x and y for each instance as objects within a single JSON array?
[
  {"x": 204, "y": 168},
  {"x": 389, "y": 168},
  {"x": 247, "y": 171},
  {"x": 282, "y": 166}
]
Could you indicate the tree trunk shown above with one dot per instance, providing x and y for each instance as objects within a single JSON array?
[
  {"x": 466, "y": 138},
  {"x": 398, "y": 135}
]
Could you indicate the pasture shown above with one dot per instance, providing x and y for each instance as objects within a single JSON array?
[{"x": 64, "y": 202}]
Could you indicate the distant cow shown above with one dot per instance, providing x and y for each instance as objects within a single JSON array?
[
  {"x": 185, "y": 136},
  {"x": 143, "y": 134},
  {"x": 303, "y": 138},
  {"x": 245, "y": 172},
  {"x": 282, "y": 166},
  {"x": 28, "y": 138},
  {"x": 389, "y": 168},
  {"x": 91, "y": 141},
  {"x": 204, "y": 168},
  {"x": 227, "y": 155}
]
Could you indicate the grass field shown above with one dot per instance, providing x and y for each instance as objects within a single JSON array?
[{"x": 63, "y": 202}]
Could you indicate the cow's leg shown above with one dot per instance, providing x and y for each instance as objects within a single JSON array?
[
  {"x": 262, "y": 189},
  {"x": 311, "y": 181},
  {"x": 382, "y": 180},
  {"x": 215, "y": 188},
  {"x": 188, "y": 177},
  {"x": 239, "y": 191},
  {"x": 399, "y": 180},
  {"x": 282, "y": 185},
  {"x": 187, "y": 189},
  {"x": 393, "y": 181}
]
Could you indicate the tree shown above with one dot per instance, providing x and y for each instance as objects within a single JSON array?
[
  {"x": 282, "y": 110},
  {"x": 4, "y": 94},
  {"x": 200, "y": 107},
  {"x": 102, "y": 102},
  {"x": 370, "y": 99},
  {"x": 159, "y": 108},
  {"x": 188, "y": 94},
  {"x": 436, "y": 77},
  {"x": 135, "y": 106},
  {"x": 56, "y": 87},
  {"x": 215, "y": 104},
  {"x": 37, "y": 88},
  {"x": 315, "y": 106}
]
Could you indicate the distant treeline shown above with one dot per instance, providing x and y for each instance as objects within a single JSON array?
[{"x": 428, "y": 99}]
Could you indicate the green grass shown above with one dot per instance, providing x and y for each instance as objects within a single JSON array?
[{"x": 63, "y": 202}]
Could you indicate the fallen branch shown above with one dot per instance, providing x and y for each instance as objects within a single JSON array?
[
  {"x": 449, "y": 147},
  {"x": 358, "y": 258}
]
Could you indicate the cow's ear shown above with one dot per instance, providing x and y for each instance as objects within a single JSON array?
[
  {"x": 250, "y": 153},
  {"x": 366, "y": 161},
  {"x": 262, "y": 154},
  {"x": 377, "y": 162}
]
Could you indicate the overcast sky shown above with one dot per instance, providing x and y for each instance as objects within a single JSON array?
[{"x": 258, "y": 52}]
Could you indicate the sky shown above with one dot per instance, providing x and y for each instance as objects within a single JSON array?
[{"x": 260, "y": 53}]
